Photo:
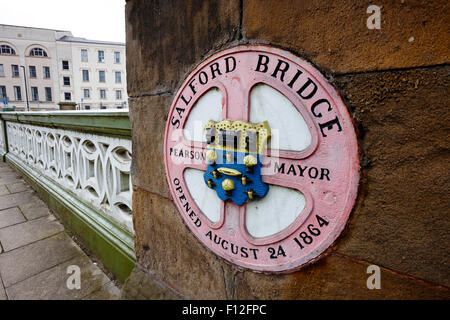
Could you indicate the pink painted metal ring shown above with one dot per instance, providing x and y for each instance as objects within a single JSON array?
[{"x": 325, "y": 173}]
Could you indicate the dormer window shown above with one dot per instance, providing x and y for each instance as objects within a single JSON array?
[{"x": 38, "y": 52}]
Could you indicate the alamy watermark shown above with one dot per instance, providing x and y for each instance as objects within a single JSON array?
[
  {"x": 74, "y": 280},
  {"x": 374, "y": 20},
  {"x": 374, "y": 280}
]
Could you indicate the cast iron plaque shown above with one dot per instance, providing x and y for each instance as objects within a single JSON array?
[{"x": 261, "y": 158}]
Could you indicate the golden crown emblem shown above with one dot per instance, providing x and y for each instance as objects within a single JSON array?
[{"x": 237, "y": 136}]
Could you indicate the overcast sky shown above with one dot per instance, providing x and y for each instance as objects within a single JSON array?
[{"x": 91, "y": 19}]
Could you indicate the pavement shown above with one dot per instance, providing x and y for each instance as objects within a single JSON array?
[{"x": 38, "y": 258}]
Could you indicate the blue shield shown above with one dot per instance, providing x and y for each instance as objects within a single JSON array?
[{"x": 235, "y": 161}]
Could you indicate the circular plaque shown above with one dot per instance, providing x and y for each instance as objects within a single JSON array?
[{"x": 261, "y": 158}]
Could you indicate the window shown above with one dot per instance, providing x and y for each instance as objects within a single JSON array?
[
  {"x": 116, "y": 57},
  {"x": 65, "y": 65},
  {"x": 5, "y": 49},
  {"x": 17, "y": 93},
  {"x": 85, "y": 75},
  {"x": 86, "y": 93},
  {"x": 118, "y": 94},
  {"x": 32, "y": 71},
  {"x": 15, "y": 70},
  {"x": 102, "y": 107},
  {"x": 38, "y": 52},
  {"x": 67, "y": 96},
  {"x": 101, "y": 76},
  {"x": 87, "y": 107},
  {"x": 46, "y": 72},
  {"x": 118, "y": 76},
  {"x": 48, "y": 94},
  {"x": 102, "y": 94},
  {"x": 66, "y": 81},
  {"x": 101, "y": 56},
  {"x": 84, "y": 55},
  {"x": 34, "y": 94},
  {"x": 3, "y": 92},
  {"x": 2, "y": 71}
]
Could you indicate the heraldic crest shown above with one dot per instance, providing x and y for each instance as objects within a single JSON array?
[{"x": 234, "y": 155}]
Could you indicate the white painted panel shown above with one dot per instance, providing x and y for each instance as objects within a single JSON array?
[
  {"x": 208, "y": 107},
  {"x": 275, "y": 212},
  {"x": 287, "y": 124},
  {"x": 205, "y": 198}
]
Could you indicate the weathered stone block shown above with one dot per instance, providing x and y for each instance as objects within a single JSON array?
[
  {"x": 166, "y": 38},
  {"x": 170, "y": 252},
  {"x": 334, "y": 35},
  {"x": 401, "y": 220},
  {"x": 139, "y": 286},
  {"x": 334, "y": 277},
  {"x": 148, "y": 120}
]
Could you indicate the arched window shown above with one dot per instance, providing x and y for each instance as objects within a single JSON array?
[
  {"x": 5, "y": 49},
  {"x": 38, "y": 52}
]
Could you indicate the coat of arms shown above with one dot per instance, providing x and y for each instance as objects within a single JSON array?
[{"x": 234, "y": 155}]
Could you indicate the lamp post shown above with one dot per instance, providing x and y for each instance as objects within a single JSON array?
[{"x": 26, "y": 87}]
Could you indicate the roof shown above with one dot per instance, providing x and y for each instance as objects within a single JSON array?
[
  {"x": 16, "y": 26},
  {"x": 84, "y": 40}
]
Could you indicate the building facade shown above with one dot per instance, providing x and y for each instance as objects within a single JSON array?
[{"x": 60, "y": 69}]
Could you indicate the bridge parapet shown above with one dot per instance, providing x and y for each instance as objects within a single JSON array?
[{"x": 79, "y": 162}]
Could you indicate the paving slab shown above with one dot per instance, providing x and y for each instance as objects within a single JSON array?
[
  {"x": 27, "y": 261},
  {"x": 109, "y": 291},
  {"x": 2, "y": 292},
  {"x": 3, "y": 190},
  {"x": 18, "y": 186},
  {"x": 10, "y": 173},
  {"x": 34, "y": 209},
  {"x": 5, "y": 169},
  {"x": 11, "y": 216},
  {"x": 35, "y": 252},
  {"x": 52, "y": 283},
  {"x": 9, "y": 178},
  {"x": 15, "y": 199},
  {"x": 25, "y": 233}
]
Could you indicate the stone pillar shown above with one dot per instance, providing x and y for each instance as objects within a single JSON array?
[{"x": 395, "y": 83}]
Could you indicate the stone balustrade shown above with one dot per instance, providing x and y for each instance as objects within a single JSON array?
[{"x": 81, "y": 160}]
